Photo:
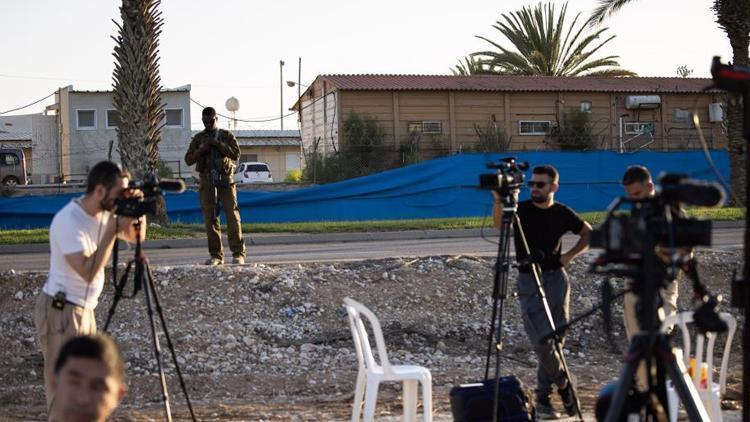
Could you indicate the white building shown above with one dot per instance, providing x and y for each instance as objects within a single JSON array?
[{"x": 80, "y": 129}]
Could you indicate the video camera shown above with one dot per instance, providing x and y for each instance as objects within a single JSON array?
[
  {"x": 621, "y": 235},
  {"x": 509, "y": 176},
  {"x": 152, "y": 188}
]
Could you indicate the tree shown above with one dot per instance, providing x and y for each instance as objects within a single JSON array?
[
  {"x": 545, "y": 45},
  {"x": 684, "y": 71},
  {"x": 137, "y": 88},
  {"x": 733, "y": 16}
]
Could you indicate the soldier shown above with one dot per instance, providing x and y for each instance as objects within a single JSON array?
[{"x": 214, "y": 151}]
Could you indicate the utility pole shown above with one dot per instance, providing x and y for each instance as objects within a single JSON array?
[{"x": 281, "y": 92}]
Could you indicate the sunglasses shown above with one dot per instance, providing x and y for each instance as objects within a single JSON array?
[{"x": 538, "y": 185}]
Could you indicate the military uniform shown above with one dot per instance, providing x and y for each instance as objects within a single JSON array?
[{"x": 228, "y": 152}]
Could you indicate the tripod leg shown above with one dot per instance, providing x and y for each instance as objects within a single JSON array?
[
  {"x": 685, "y": 387},
  {"x": 617, "y": 404},
  {"x": 157, "y": 348},
  {"x": 152, "y": 286}
]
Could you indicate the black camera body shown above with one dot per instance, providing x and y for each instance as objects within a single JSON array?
[
  {"x": 152, "y": 188},
  {"x": 509, "y": 176},
  {"x": 621, "y": 235}
]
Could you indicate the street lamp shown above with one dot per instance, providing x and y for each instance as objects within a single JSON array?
[{"x": 292, "y": 84}]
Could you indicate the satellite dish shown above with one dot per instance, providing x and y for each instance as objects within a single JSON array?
[{"x": 232, "y": 104}]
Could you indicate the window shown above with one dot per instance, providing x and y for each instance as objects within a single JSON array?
[
  {"x": 428, "y": 127},
  {"x": 245, "y": 158},
  {"x": 586, "y": 106},
  {"x": 86, "y": 119},
  {"x": 638, "y": 128},
  {"x": 682, "y": 115},
  {"x": 414, "y": 127},
  {"x": 9, "y": 160},
  {"x": 173, "y": 117},
  {"x": 113, "y": 119},
  {"x": 432, "y": 127},
  {"x": 533, "y": 127}
]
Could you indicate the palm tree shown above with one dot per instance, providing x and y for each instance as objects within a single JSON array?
[
  {"x": 733, "y": 16},
  {"x": 137, "y": 88},
  {"x": 470, "y": 66},
  {"x": 544, "y": 45}
]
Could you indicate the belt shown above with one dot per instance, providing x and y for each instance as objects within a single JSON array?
[{"x": 67, "y": 302}]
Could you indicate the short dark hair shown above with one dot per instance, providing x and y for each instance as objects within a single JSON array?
[
  {"x": 100, "y": 347},
  {"x": 104, "y": 173},
  {"x": 549, "y": 171},
  {"x": 635, "y": 174},
  {"x": 209, "y": 112}
]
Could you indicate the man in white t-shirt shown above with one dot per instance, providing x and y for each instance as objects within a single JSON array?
[{"x": 81, "y": 238}]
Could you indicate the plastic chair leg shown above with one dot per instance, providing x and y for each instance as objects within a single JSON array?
[
  {"x": 410, "y": 400},
  {"x": 359, "y": 395},
  {"x": 371, "y": 400},
  {"x": 427, "y": 399}
]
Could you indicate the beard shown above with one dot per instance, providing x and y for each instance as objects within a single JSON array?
[{"x": 539, "y": 198}]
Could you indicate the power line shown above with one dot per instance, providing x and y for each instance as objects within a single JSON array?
[
  {"x": 268, "y": 120},
  {"x": 28, "y": 105}
]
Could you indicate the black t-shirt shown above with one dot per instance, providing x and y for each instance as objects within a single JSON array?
[{"x": 544, "y": 229}]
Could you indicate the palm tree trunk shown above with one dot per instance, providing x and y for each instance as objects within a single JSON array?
[{"x": 137, "y": 90}]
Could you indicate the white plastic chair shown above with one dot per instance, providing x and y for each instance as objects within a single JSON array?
[
  {"x": 372, "y": 373},
  {"x": 711, "y": 396}
]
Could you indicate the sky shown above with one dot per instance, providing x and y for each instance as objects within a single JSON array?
[{"x": 226, "y": 48}]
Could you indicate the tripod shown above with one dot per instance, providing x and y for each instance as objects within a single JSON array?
[
  {"x": 143, "y": 278},
  {"x": 509, "y": 220},
  {"x": 651, "y": 346}
]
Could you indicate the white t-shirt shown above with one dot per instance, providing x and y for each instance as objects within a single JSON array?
[{"x": 74, "y": 230}]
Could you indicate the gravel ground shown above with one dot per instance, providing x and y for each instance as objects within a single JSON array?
[{"x": 271, "y": 342}]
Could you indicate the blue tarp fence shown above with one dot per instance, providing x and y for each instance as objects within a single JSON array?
[{"x": 444, "y": 187}]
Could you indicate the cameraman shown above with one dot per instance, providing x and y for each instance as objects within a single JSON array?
[
  {"x": 213, "y": 151},
  {"x": 81, "y": 238},
  {"x": 89, "y": 379},
  {"x": 544, "y": 223},
  {"x": 638, "y": 185}
]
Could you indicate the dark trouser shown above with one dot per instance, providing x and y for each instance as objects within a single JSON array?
[
  {"x": 228, "y": 198},
  {"x": 557, "y": 289}
]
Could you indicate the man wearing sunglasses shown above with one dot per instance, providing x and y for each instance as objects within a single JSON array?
[{"x": 544, "y": 222}]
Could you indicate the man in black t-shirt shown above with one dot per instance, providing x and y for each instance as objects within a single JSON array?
[{"x": 544, "y": 223}]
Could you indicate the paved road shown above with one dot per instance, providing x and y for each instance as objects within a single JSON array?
[{"x": 330, "y": 251}]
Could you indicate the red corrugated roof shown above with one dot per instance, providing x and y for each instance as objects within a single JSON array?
[{"x": 515, "y": 83}]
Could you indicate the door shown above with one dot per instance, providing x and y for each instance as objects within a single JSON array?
[{"x": 292, "y": 161}]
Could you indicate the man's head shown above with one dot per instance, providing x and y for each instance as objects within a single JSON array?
[
  {"x": 637, "y": 183},
  {"x": 543, "y": 183},
  {"x": 89, "y": 379},
  {"x": 209, "y": 118},
  {"x": 105, "y": 183}
]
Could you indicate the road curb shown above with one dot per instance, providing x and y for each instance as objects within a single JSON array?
[{"x": 304, "y": 238}]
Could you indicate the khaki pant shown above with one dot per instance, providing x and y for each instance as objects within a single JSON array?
[
  {"x": 228, "y": 199},
  {"x": 53, "y": 328},
  {"x": 669, "y": 295}
]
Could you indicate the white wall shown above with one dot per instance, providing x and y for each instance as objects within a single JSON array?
[{"x": 89, "y": 146}]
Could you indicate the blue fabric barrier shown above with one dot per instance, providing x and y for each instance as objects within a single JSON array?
[{"x": 444, "y": 187}]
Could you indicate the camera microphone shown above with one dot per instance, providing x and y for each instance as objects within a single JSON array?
[
  {"x": 676, "y": 188},
  {"x": 172, "y": 185}
]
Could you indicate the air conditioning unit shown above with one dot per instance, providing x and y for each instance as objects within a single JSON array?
[
  {"x": 715, "y": 113},
  {"x": 633, "y": 102}
]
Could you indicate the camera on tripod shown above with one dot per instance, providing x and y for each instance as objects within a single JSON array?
[
  {"x": 152, "y": 188},
  {"x": 621, "y": 234},
  {"x": 508, "y": 177}
]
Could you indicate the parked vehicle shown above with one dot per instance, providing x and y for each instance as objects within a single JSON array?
[
  {"x": 12, "y": 167},
  {"x": 253, "y": 172}
]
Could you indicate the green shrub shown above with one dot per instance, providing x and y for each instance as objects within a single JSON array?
[{"x": 575, "y": 132}]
